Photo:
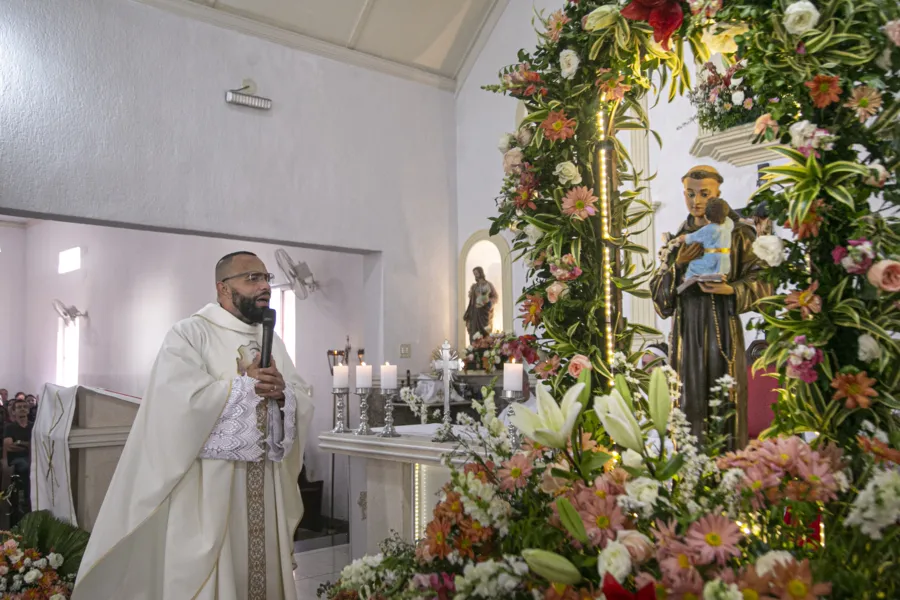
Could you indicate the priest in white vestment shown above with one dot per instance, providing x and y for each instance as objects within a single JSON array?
[{"x": 205, "y": 500}]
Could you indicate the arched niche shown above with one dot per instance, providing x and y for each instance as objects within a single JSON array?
[{"x": 492, "y": 253}]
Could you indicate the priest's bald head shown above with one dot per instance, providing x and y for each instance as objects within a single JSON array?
[
  {"x": 700, "y": 184},
  {"x": 242, "y": 286}
]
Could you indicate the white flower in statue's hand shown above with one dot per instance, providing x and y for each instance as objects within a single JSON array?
[
  {"x": 553, "y": 423},
  {"x": 567, "y": 173},
  {"x": 737, "y": 98},
  {"x": 505, "y": 143},
  {"x": 568, "y": 63},
  {"x": 770, "y": 249},
  {"x": 615, "y": 560},
  {"x": 869, "y": 349},
  {"x": 800, "y": 17},
  {"x": 533, "y": 232}
]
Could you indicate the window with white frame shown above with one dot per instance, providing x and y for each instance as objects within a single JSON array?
[
  {"x": 67, "y": 353},
  {"x": 285, "y": 304}
]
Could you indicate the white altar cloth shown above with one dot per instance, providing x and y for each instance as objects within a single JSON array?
[{"x": 51, "y": 486}]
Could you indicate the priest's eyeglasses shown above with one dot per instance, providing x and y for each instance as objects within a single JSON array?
[{"x": 252, "y": 277}]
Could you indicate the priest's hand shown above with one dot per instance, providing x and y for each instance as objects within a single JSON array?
[
  {"x": 269, "y": 382},
  {"x": 688, "y": 253},
  {"x": 722, "y": 289}
]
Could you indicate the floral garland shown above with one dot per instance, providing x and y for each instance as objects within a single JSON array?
[{"x": 487, "y": 353}]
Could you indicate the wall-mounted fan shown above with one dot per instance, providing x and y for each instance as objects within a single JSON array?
[
  {"x": 67, "y": 313},
  {"x": 299, "y": 277}
]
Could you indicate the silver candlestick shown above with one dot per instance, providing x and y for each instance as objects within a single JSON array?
[
  {"x": 388, "y": 430},
  {"x": 363, "y": 428},
  {"x": 339, "y": 395},
  {"x": 513, "y": 397}
]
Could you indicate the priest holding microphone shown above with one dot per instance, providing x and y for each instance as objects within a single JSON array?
[{"x": 204, "y": 502}]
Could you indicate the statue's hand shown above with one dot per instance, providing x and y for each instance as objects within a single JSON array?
[
  {"x": 688, "y": 253},
  {"x": 722, "y": 289}
]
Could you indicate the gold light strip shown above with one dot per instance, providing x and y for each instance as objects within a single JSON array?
[
  {"x": 604, "y": 224},
  {"x": 417, "y": 503}
]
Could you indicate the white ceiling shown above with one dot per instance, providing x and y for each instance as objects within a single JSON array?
[{"x": 426, "y": 40}]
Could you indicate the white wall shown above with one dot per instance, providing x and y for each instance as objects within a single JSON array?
[
  {"x": 13, "y": 303},
  {"x": 135, "y": 285},
  {"x": 483, "y": 116},
  {"x": 114, "y": 111}
]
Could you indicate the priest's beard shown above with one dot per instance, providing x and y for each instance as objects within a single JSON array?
[{"x": 247, "y": 306}]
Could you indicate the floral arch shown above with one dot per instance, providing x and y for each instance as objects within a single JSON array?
[{"x": 592, "y": 507}]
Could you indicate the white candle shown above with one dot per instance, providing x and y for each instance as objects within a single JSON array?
[
  {"x": 341, "y": 377},
  {"x": 388, "y": 376},
  {"x": 512, "y": 376},
  {"x": 364, "y": 376}
]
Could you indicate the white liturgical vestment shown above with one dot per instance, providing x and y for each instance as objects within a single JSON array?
[{"x": 205, "y": 498}]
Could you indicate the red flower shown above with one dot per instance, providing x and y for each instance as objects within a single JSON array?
[
  {"x": 824, "y": 89},
  {"x": 664, "y": 16},
  {"x": 613, "y": 590}
]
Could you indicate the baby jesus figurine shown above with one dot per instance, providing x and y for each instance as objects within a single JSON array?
[{"x": 715, "y": 264}]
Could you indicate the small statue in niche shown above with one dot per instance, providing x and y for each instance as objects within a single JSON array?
[{"x": 479, "y": 315}]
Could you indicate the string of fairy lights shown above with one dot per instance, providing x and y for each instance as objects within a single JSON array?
[{"x": 603, "y": 189}]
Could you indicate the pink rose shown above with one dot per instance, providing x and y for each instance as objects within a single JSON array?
[
  {"x": 555, "y": 291},
  {"x": 838, "y": 254},
  {"x": 885, "y": 275},
  {"x": 580, "y": 362},
  {"x": 639, "y": 545}
]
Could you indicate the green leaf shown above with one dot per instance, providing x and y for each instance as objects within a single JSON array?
[
  {"x": 570, "y": 520},
  {"x": 594, "y": 461},
  {"x": 672, "y": 467},
  {"x": 622, "y": 387},
  {"x": 585, "y": 396}
]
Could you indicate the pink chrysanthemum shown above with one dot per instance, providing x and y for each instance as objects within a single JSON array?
[
  {"x": 602, "y": 518},
  {"x": 579, "y": 203},
  {"x": 515, "y": 472},
  {"x": 714, "y": 538}
]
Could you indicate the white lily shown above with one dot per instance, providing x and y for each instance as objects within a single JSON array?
[
  {"x": 618, "y": 421},
  {"x": 553, "y": 423},
  {"x": 660, "y": 401}
]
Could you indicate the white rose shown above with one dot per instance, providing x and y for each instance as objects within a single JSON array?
[
  {"x": 802, "y": 133},
  {"x": 737, "y": 98},
  {"x": 719, "y": 590},
  {"x": 766, "y": 563},
  {"x": 643, "y": 489},
  {"x": 615, "y": 560},
  {"x": 869, "y": 349},
  {"x": 632, "y": 459},
  {"x": 533, "y": 233},
  {"x": 512, "y": 160},
  {"x": 800, "y": 17},
  {"x": 32, "y": 576},
  {"x": 770, "y": 249},
  {"x": 40, "y": 564},
  {"x": 568, "y": 173},
  {"x": 505, "y": 143},
  {"x": 524, "y": 135},
  {"x": 568, "y": 63}
]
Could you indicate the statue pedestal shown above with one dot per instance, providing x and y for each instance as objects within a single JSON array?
[{"x": 403, "y": 479}]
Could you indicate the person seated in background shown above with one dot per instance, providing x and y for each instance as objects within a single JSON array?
[
  {"x": 655, "y": 355},
  {"x": 4, "y": 396},
  {"x": 31, "y": 399},
  {"x": 17, "y": 447}
]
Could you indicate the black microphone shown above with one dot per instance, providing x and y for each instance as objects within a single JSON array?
[{"x": 268, "y": 323}]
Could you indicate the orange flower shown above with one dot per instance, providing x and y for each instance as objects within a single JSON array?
[
  {"x": 764, "y": 124},
  {"x": 882, "y": 452},
  {"x": 555, "y": 25},
  {"x": 464, "y": 546},
  {"x": 865, "y": 101},
  {"x": 809, "y": 226},
  {"x": 531, "y": 309},
  {"x": 807, "y": 301},
  {"x": 557, "y": 126},
  {"x": 824, "y": 89},
  {"x": 450, "y": 509},
  {"x": 613, "y": 88},
  {"x": 856, "y": 388},
  {"x": 437, "y": 538},
  {"x": 475, "y": 531}
]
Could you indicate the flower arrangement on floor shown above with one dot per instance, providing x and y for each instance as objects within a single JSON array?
[
  {"x": 567, "y": 518},
  {"x": 488, "y": 353},
  {"x": 40, "y": 558}
]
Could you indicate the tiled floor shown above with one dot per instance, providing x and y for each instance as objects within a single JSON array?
[{"x": 317, "y": 567}]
